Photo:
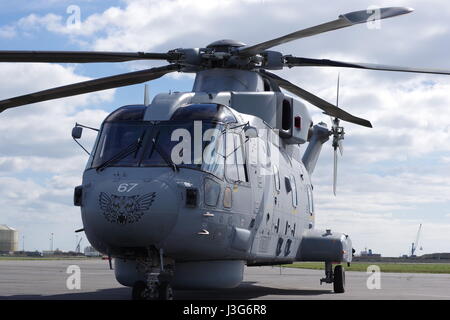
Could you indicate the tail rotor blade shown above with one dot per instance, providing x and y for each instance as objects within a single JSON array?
[
  {"x": 341, "y": 147},
  {"x": 335, "y": 171}
]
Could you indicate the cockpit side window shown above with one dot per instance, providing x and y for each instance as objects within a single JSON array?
[{"x": 235, "y": 168}]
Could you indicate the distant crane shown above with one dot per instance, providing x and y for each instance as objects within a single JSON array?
[
  {"x": 415, "y": 244},
  {"x": 78, "y": 248}
]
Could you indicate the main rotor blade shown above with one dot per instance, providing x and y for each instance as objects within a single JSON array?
[
  {"x": 344, "y": 20},
  {"x": 81, "y": 56},
  {"x": 307, "y": 62},
  {"x": 327, "y": 107},
  {"x": 120, "y": 80}
]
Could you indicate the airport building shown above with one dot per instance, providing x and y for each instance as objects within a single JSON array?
[
  {"x": 89, "y": 251},
  {"x": 369, "y": 253},
  {"x": 9, "y": 239}
]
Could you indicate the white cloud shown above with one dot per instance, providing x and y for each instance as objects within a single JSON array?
[
  {"x": 50, "y": 21},
  {"x": 37, "y": 210},
  {"x": 66, "y": 163},
  {"x": 43, "y": 129},
  {"x": 7, "y": 32},
  {"x": 40, "y": 164}
]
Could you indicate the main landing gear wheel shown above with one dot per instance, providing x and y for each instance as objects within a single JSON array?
[
  {"x": 339, "y": 279},
  {"x": 139, "y": 291},
  {"x": 165, "y": 291}
]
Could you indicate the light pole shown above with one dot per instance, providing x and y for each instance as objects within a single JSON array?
[{"x": 51, "y": 243}]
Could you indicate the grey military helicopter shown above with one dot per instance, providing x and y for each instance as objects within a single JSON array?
[{"x": 185, "y": 191}]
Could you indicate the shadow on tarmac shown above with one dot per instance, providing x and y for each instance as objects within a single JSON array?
[{"x": 246, "y": 291}]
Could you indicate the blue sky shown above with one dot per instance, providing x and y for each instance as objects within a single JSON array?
[{"x": 391, "y": 178}]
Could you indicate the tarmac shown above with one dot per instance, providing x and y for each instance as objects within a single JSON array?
[{"x": 48, "y": 280}]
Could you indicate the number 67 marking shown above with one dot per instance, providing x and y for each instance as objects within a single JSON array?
[{"x": 126, "y": 187}]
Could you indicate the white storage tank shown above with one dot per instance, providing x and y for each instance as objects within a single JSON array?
[{"x": 9, "y": 239}]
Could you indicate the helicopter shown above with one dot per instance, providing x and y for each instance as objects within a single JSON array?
[{"x": 187, "y": 190}]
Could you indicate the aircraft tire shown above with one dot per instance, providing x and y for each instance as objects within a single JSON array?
[
  {"x": 165, "y": 291},
  {"x": 139, "y": 289},
  {"x": 339, "y": 279}
]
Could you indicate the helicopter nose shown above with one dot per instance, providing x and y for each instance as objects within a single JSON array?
[{"x": 131, "y": 214}]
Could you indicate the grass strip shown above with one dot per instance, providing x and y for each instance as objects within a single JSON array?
[{"x": 384, "y": 267}]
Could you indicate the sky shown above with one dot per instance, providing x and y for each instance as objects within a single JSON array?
[{"x": 391, "y": 178}]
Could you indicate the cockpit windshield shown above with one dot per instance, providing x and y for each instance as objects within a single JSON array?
[
  {"x": 115, "y": 138},
  {"x": 197, "y": 143}
]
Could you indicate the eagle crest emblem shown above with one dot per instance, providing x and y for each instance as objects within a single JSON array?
[{"x": 125, "y": 209}]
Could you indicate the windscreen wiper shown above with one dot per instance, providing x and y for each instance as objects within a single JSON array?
[
  {"x": 164, "y": 156},
  {"x": 134, "y": 147}
]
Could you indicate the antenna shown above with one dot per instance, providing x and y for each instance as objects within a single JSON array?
[
  {"x": 337, "y": 95},
  {"x": 146, "y": 95}
]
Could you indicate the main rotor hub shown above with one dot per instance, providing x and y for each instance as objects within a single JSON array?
[{"x": 225, "y": 45}]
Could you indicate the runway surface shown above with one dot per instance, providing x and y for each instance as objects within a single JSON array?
[{"x": 47, "y": 280}]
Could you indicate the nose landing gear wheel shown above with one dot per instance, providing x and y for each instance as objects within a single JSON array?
[
  {"x": 339, "y": 279},
  {"x": 157, "y": 274},
  {"x": 161, "y": 291}
]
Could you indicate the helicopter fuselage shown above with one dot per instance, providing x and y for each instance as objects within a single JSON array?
[{"x": 223, "y": 200}]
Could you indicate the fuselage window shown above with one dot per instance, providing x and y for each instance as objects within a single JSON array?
[
  {"x": 267, "y": 86},
  {"x": 276, "y": 176},
  {"x": 294, "y": 191},
  {"x": 240, "y": 157},
  {"x": 286, "y": 119},
  {"x": 310, "y": 201},
  {"x": 211, "y": 191},
  {"x": 227, "y": 197}
]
